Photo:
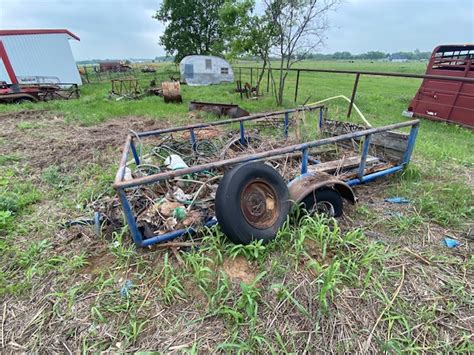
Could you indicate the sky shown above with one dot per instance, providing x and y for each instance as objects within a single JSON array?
[{"x": 126, "y": 29}]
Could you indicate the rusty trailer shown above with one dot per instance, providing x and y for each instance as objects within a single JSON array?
[{"x": 252, "y": 189}]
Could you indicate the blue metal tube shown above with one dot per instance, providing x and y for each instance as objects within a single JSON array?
[
  {"x": 246, "y": 158},
  {"x": 193, "y": 139},
  {"x": 134, "y": 152},
  {"x": 320, "y": 123},
  {"x": 411, "y": 143},
  {"x": 304, "y": 161},
  {"x": 287, "y": 123},
  {"x": 127, "y": 210},
  {"x": 242, "y": 133},
  {"x": 229, "y": 121},
  {"x": 363, "y": 158},
  {"x": 374, "y": 176},
  {"x": 174, "y": 234}
]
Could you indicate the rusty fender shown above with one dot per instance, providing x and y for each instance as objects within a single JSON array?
[{"x": 302, "y": 186}]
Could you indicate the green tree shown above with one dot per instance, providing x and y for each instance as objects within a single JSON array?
[
  {"x": 192, "y": 27},
  {"x": 246, "y": 33},
  {"x": 288, "y": 29},
  {"x": 300, "y": 26}
]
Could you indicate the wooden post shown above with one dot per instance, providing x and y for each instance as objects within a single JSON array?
[
  {"x": 86, "y": 74},
  {"x": 354, "y": 90},
  {"x": 297, "y": 83}
]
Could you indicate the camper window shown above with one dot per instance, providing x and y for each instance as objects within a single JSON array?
[
  {"x": 208, "y": 64},
  {"x": 224, "y": 70}
]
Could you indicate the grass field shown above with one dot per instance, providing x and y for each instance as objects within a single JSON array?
[{"x": 378, "y": 279}]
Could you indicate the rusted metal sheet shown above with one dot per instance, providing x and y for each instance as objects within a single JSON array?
[
  {"x": 14, "y": 93},
  {"x": 300, "y": 188},
  {"x": 218, "y": 109},
  {"x": 171, "y": 91},
  {"x": 451, "y": 101}
]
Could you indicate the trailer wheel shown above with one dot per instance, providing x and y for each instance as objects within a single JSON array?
[
  {"x": 324, "y": 201},
  {"x": 252, "y": 203},
  {"x": 23, "y": 100}
]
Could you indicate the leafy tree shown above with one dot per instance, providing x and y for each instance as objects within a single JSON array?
[
  {"x": 192, "y": 27},
  {"x": 299, "y": 26},
  {"x": 246, "y": 32},
  {"x": 287, "y": 29}
]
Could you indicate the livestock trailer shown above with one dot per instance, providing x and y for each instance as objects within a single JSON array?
[{"x": 443, "y": 100}]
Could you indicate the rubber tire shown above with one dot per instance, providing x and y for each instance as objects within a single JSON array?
[
  {"x": 23, "y": 100},
  {"x": 227, "y": 202},
  {"x": 328, "y": 195}
]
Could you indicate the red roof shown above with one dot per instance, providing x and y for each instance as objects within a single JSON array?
[{"x": 36, "y": 32}]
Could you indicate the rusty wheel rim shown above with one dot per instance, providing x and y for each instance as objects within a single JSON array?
[{"x": 259, "y": 204}]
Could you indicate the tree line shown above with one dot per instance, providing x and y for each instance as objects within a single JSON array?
[{"x": 371, "y": 55}]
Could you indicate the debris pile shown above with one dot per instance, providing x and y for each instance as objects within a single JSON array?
[{"x": 187, "y": 201}]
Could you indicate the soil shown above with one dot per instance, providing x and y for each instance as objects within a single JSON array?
[
  {"x": 53, "y": 141},
  {"x": 239, "y": 269}
]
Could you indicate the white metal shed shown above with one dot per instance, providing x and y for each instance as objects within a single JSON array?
[
  {"x": 37, "y": 56},
  {"x": 198, "y": 70}
]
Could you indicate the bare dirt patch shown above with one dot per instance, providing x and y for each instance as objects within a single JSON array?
[
  {"x": 97, "y": 263},
  {"x": 43, "y": 138},
  {"x": 239, "y": 269}
]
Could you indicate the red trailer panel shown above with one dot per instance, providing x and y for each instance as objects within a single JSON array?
[{"x": 448, "y": 100}]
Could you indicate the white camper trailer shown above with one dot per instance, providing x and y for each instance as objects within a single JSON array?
[{"x": 200, "y": 70}]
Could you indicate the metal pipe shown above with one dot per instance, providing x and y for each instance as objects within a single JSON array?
[
  {"x": 134, "y": 152},
  {"x": 192, "y": 136},
  {"x": 354, "y": 90},
  {"x": 363, "y": 158},
  {"x": 411, "y": 143},
  {"x": 320, "y": 123},
  {"x": 223, "y": 122},
  {"x": 123, "y": 160},
  {"x": 174, "y": 234},
  {"x": 250, "y": 157},
  {"x": 286, "y": 124},
  {"x": 374, "y": 176},
  {"x": 391, "y": 74},
  {"x": 242, "y": 133},
  {"x": 268, "y": 80},
  {"x": 297, "y": 83},
  {"x": 304, "y": 161},
  {"x": 127, "y": 211}
]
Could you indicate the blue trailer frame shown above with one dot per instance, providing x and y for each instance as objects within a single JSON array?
[{"x": 121, "y": 184}]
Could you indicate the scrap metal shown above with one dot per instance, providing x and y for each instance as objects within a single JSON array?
[
  {"x": 161, "y": 204},
  {"x": 218, "y": 109}
]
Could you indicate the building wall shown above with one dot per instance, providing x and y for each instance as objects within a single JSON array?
[{"x": 34, "y": 58}]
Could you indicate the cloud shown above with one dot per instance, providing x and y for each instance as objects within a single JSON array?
[
  {"x": 107, "y": 28},
  {"x": 125, "y": 28},
  {"x": 400, "y": 25}
]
